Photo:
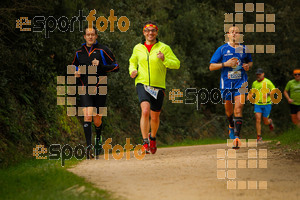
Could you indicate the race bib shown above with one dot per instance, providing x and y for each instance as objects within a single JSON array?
[
  {"x": 234, "y": 75},
  {"x": 152, "y": 91}
]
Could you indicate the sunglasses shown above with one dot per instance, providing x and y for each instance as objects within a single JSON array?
[
  {"x": 296, "y": 74},
  {"x": 148, "y": 31}
]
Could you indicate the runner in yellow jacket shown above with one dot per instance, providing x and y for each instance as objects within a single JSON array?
[
  {"x": 148, "y": 65},
  {"x": 262, "y": 108}
]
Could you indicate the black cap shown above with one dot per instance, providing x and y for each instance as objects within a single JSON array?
[{"x": 259, "y": 71}]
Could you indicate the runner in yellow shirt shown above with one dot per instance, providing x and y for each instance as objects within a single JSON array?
[
  {"x": 293, "y": 87},
  {"x": 148, "y": 65},
  {"x": 262, "y": 108}
]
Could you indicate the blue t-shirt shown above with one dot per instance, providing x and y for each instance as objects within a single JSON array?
[{"x": 230, "y": 76}]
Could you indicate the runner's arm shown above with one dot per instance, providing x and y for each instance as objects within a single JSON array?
[
  {"x": 216, "y": 66},
  {"x": 76, "y": 64},
  {"x": 171, "y": 61},
  {"x": 111, "y": 65},
  {"x": 248, "y": 60},
  {"x": 133, "y": 62},
  {"x": 215, "y": 61},
  {"x": 109, "y": 68},
  {"x": 271, "y": 86},
  {"x": 286, "y": 94},
  {"x": 250, "y": 64}
]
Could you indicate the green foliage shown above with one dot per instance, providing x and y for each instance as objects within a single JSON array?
[
  {"x": 289, "y": 139},
  {"x": 45, "y": 179},
  {"x": 29, "y": 115}
]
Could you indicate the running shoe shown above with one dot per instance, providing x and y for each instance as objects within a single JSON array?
[
  {"x": 89, "y": 154},
  {"x": 98, "y": 150},
  {"x": 236, "y": 143},
  {"x": 98, "y": 146},
  {"x": 231, "y": 132},
  {"x": 259, "y": 138},
  {"x": 153, "y": 147},
  {"x": 146, "y": 148},
  {"x": 271, "y": 125}
]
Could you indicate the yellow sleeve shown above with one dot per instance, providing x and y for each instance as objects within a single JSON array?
[
  {"x": 171, "y": 61},
  {"x": 133, "y": 61}
]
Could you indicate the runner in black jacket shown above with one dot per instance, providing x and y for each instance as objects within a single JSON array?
[{"x": 92, "y": 62}]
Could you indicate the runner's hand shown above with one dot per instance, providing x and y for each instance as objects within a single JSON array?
[
  {"x": 161, "y": 56},
  {"x": 95, "y": 62},
  {"x": 77, "y": 73},
  {"x": 230, "y": 63},
  {"x": 133, "y": 74},
  {"x": 246, "y": 67},
  {"x": 290, "y": 100}
]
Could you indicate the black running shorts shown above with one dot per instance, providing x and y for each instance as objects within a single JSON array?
[
  {"x": 92, "y": 100},
  {"x": 294, "y": 108},
  {"x": 155, "y": 104}
]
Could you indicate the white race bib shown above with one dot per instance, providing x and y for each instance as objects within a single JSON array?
[
  {"x": 152, "y": 91},
  {"x": 234, "y": 75}
]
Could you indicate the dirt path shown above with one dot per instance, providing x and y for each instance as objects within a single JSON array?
[{"x": 191, "y": 173}]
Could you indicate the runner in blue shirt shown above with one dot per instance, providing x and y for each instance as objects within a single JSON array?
[{"x": 234, "y": 60}]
